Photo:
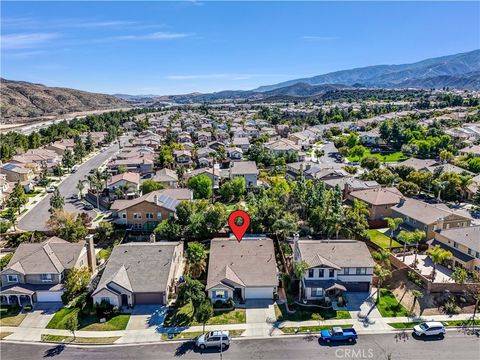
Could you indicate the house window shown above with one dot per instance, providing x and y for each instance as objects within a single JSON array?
[
  {"x": 137, "y": 215},
  {"x": 361, "y": 271},
  {"x": 346, "y": 271},
  {"x": 105, "y": 299},
  {"x": 321, "y": 273},
  {"x": 470, "y": 251},
  {"x": 12, "y": 278},
  {"x": 124, "y": 215},
  {"x": 477, "y": 255},
  {"x": 159, "y": 215},
  {"x": 311, "y": 273},
  {"x": 46, "y": 277},
  {"x": 149, "y": 215},
  {"x": 331, "y": 273},
  {"x": 220, "y": 294},
  {"x": 317, "y": 292},
  {"x": 455, "y": 245}
]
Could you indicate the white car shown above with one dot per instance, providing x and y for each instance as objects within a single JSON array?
[
  {"x": 51, "y": 189},
  {"x": 212, "y": 339},
  {"x": 429, "y": 328}
]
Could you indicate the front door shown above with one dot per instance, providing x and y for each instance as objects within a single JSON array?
[
  {"x": 237, "y": 294},
  {"x": 124, "y": 300}
]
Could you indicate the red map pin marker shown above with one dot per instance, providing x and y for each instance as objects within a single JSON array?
[{"x": 239, "y": 230}]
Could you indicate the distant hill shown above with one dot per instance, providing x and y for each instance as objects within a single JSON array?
[
  {"x": 24, "y": 101},
  {"x": 456, "y": 71}
]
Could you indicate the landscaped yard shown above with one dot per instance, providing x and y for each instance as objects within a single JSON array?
[
  {"x": 381, "y": 239},
  {"x": 392, "y": 157},
  {"x": 183, "y": 316},
  {"x": 304, "y": 313},
  {"x": 11, "y": 316},
  {"x": 195, "y": 334},
  {"x": 88, "y": 322},
  {"x": 80, "y": 340},
  {"x": 389, "y": 306},
  {"x": 310, "y": 329}
]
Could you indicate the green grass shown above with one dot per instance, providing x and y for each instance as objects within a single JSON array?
[
  {"x": 389, "y": 306},
  {"x": 381, "y": 239},
  {"x": 194, "y": 334},
  {"x": 80, "y": 340},
  {"x": 89, "y": 322},
  {"x": 99, "y": 217},
  {"x": 393, "y": 157},
  {"x": 183, "y": 316},
  {"x": 11, "y": 316},
  {"x": 104, "y": 253},
  {"x": 409, "y": 325},
  {"x": 311, "y": 329},
  {"x": 305, "y": 314}
]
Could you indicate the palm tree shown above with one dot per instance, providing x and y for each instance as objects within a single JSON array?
[
  {"x": 417, "y": 294},
  {"x": 299, "y": 269},
  {"x": 393, "y": 224},
  {"x": 382, "y": 275},
  {"x": 407, "y": 238},
  {"x": 105, "y": 176},
  {"x": 81, "y": 187},
  {"x": 122, "y": 190},
  {"x": 383, "y": 258},
  {"x": 440, "y": 186},
  {"x": 95, "y": 183},
  {"x": 465, "y": 181},
  {"x": 417, "y": 236},
  {"x": 438, "y": 256}
]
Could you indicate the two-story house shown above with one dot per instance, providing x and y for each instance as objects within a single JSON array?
[
  {"x": 36, "y": 271},
  {"x": 335, "y": 266},
  {"x": 247, "y": 169}
]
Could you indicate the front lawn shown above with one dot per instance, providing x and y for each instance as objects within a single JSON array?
[
  {"x": 389, "y": 306},
  {"x": 80, "y": 340},
  {"x": 183, "y": 316},
  {"x": 11, "y": 316},
  {"x": 88, "y": 322},
  {"x": 310, "y": 329},
  {"x": 304, "y": 313},
  {"x": 391, "y": 157},
  {"x": 381, "y": 239}
]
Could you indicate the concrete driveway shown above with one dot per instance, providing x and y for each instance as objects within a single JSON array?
[
  {"x": 259, "y": 311},
  {"x": 41, "y": 315},
  {"x": 147, "y": 316}
]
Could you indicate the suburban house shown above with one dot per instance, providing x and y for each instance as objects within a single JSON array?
[
  {"x": 129, "y": 180},
  {"x": 335, "y": 266},
  {"x": 139, "y": 164},
  {"x": 15, "y": 173},
  {"x": 241, "y": 142},
  {"x": 167, "y": 177},
  {"x": 61, "y": 145},
  {"x": 182, "y": 156},
  {"x": 473, "y": 150},
  {"x": 429, "y": 218},
  {"x": 379, "y": 201},
  {"x": 463, "y": 243},
  {"x": 282, "y": 146},
  {"x": 247, "y": 169},
  {"x": 212, "y": 173},
  {"x": 140, "y": 273},
  {"x": 242, "y": 270},
  {"x": 36, "y": 271},
  {"x": 147, "y": 211}
]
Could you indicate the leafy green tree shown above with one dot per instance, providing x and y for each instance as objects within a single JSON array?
[
  {"x": 151, "y": 185},
  {"x": 201, "y": 185},
  {"x": 89, "y": 144},
  {"x": 299, "y": 269},
  {"x": 352, "y": 170},
  {"x": 286, "y": 225},
  {"x": 17, "y": 198},
  {"x": 67, "y": 226},
  {"x": 459, "y": 275},
  {"x": 104, "y": 231},
  {"x": 192, "y": 291},
  {"x": 169, "y": 230},
  {"x": 382, "y": 257},
  {"x": 408, "y": 188},
  {"x": 357, "y": 151},
  {"x": 79, "y": 149},
  {"x": 11, "y": 216},
  {"x": 5, "y": 260},
  {"x": 370, "y": 162},
  {"x": 204, "y": 313},
  {"x": 196, "y": 256},
  {"x": 68, "y": 159},
  {"x": 72, "y": 323},
  {"x": 438, "y": 256},
  {"x": 56, "y": 201},
  {"x": 476, "y": 198},
  {"x": 76, "y": 281}
]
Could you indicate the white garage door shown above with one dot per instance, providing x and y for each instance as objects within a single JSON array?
[
  {"x": 259, "y": 293},
  {"x": 49, "y": 296}
]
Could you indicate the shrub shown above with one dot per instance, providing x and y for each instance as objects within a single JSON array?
[
  {"x": 451, "y": 306},
  {"x": 105, "y": 310},
  {"x": 4, "y": 226}
]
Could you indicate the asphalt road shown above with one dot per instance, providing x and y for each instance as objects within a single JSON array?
[
  {"x": 455, "y": 345},
  {"x": 37, "y": 217}
]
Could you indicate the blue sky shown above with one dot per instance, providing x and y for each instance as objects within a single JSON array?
[{"x": 181, "y": 47}]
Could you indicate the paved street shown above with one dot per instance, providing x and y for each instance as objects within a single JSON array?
[
  {"x": 455, "y": 345},
  {"x": 36, "y": 218}
]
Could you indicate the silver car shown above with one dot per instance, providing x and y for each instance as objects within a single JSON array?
[
  {"x": 429, "y": 328},
  {"x": 213, "y": 339}
]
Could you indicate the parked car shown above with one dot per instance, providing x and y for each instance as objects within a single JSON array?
[
  {"x": 213, "y": 339},
  {"x": 338, "y": 334},
  {"x": 73, "y": 197},
  {"x": 50, "y": 189},
  {"x": 75, "y": 168},
  {"x": 88, "y": 207},
  {"x": 429, "y": 328}
]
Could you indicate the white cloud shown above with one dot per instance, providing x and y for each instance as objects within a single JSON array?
[
  {"x": 154, "y": 36},
  {"x": 26, "y": 40},
  {"x": 319, "y": 38}
]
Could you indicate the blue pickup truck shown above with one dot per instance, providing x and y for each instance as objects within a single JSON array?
[{"x": 338, "y": 334}]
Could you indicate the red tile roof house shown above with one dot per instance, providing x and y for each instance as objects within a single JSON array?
[
  {"x": 36, "y": 271},
  {"x": 242, "y": 270},
  {"x": 379, "y": 201},
  {"x": 128, "y": 180},
  {"x": 147, "y": 211}
]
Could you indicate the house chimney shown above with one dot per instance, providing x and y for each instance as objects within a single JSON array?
[{"x": 92, "y": 260}]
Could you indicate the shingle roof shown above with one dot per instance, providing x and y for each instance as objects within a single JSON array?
[
  {"x": 139, "y": 267},
  {"x": 468, "y": 236},
  {"x": 128, "y": 176},
  {"x": 379, "y": 196},
  {"x": 335, "y": 253},
  {"x": 167, "y": 198},
  {"x": 244, "y": 167},
  {"x": 423, "y": 212},
  {"x": 250, "y": 262}
]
